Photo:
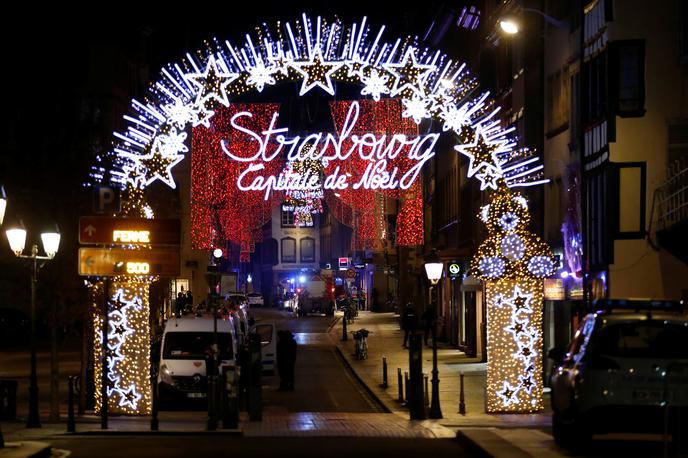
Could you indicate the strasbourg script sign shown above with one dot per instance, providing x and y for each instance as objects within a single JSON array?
[{"x": 380, "y": 155}]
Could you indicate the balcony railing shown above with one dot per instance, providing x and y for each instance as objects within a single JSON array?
[{"x": 673, "y": 195}]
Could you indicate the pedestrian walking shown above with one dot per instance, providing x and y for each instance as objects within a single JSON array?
[
  {"x": 429, "y": 318},
  {"x": 286, "y": 359},
  {"x": 409, "y": 321}
]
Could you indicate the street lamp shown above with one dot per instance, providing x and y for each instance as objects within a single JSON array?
[
  {"x": 510, "y": 24},
  {"x": 3, "y": 203},
  {"x": 433, "y": 270},
  {"x": 51, "y": 243}
]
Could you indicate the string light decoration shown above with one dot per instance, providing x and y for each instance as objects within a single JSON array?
[
  {"x": 219, "y": 210},
  {"x": 317, "y": 54},
  {"x": 199, "y": 90},
  {"x": 128, "y": 342},
  {"x": 512, "y": 262}
]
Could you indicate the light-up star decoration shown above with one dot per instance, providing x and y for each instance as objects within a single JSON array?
[
  {"x": 319, "y": 54},
  {"x": 482, "y": 154},
  {"x": 118, "y": 335},
  {"x": 355, "y": 66},
  {"x": 316, "y": 72},
  {"x": 212, "y": 83},
  {"x": 409, "y": 75},
  {"x": 512, "y": 262},
  {"x": 158, "y": 166}
]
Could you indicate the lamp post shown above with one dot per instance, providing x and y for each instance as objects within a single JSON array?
[
  {"x": 3, "y": 203},
  {"x": 51, "y": 243},
  {"x": 433, "y": 270},
  {"x": 510, "y": 24}
]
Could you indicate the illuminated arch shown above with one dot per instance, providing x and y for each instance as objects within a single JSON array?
[{"x": 317, "y": 54}]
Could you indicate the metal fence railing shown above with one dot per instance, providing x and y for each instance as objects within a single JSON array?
[{"x": 673, "y": 194}]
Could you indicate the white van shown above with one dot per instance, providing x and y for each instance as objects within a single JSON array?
[
  {"x": 268, "y": 345},
  {"x": 185, "y": 343}
]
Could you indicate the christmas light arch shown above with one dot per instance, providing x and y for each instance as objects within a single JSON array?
[{"x": 317, "y": 54}]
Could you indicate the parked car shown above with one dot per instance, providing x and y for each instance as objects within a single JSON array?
[
  {"x": 626, "y": 365},
  {"x": 186, "y": 344}
]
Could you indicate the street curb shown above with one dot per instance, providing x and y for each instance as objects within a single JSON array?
[
  {"x": 335, "y": 321},
  {"x": 486, "y": 444},
  {"x": 26, "y": 449},
  {"x": 368, "y": 390},
  {"x": 228, "y": 432}
]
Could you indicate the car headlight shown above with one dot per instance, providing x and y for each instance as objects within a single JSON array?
[{"x": 165, "y": 374}]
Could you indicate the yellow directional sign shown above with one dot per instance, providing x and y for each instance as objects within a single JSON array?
[{"x": 117, "y": 261}]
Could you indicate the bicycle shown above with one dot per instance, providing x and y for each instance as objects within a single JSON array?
[{"x": 361, "y": 339}]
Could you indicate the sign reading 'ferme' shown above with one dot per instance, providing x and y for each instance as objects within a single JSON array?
[{"x": 103, "y": 230}]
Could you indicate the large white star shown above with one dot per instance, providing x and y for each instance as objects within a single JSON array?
[
  {"x": 159, "y": 166},
  {"x": 409, "y": 74},
  {"x": 129, "y": 396},
  {"x": 508, "y": 394},
  {"x": 212, "y": 83},
  {"x": 316, "y": 72},
  {"x": 482, "y": 152}
]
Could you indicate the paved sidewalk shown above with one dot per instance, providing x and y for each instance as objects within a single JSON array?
[{"x": 496, "y": 434}]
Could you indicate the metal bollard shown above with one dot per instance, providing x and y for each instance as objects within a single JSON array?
[
  {"x": 426, "y": 397},
  {"x": 71, "y": 424},
  {"x": 154, "y": 424},
  {"x": 462, "y": 401},
  {"x": 406, "y": 385},
  {"x": 212, "y": 419},
  {"x": 230, "y": 404},
  {"x": 400, "y": 381},
  {"x": 384, "y": 372},
  {"x": 345, "y": 336}
]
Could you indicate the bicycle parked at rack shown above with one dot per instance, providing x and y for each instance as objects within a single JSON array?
[{"x": 361, "y": 339}]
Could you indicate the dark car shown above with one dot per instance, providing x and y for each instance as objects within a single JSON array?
[
  {"x": 626, "y": 370},
  {"x": 15, "y": 327}
]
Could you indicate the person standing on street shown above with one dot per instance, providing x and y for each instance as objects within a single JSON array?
[{"x": 409, "y": 321}]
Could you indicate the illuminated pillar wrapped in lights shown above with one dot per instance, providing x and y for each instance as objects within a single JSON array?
[
  {"x": 129, "y": 390},
  {"x": 512, "y": 262}
]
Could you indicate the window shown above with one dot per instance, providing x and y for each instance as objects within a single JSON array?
[
  {"x": 558, "y": 95},
  {"x": 595, "y": 89},
  {"x": 194, "y": 345},
  {"x": 630, "y": 189},
  {"x": 628, "y": 77},
  {"x": 288, "y": 249},
  {"x": 307, "y": 249},
  {"x": 599, "y": 228},
  {"x": 288, "y": 216}
]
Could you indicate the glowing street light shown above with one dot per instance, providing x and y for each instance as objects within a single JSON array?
[
  {"x": 16, "y": 237},
  {"x": 3, "y": 203},
  {"x": 433, "y": 270},
  {"x": 509, "y": 25}
]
